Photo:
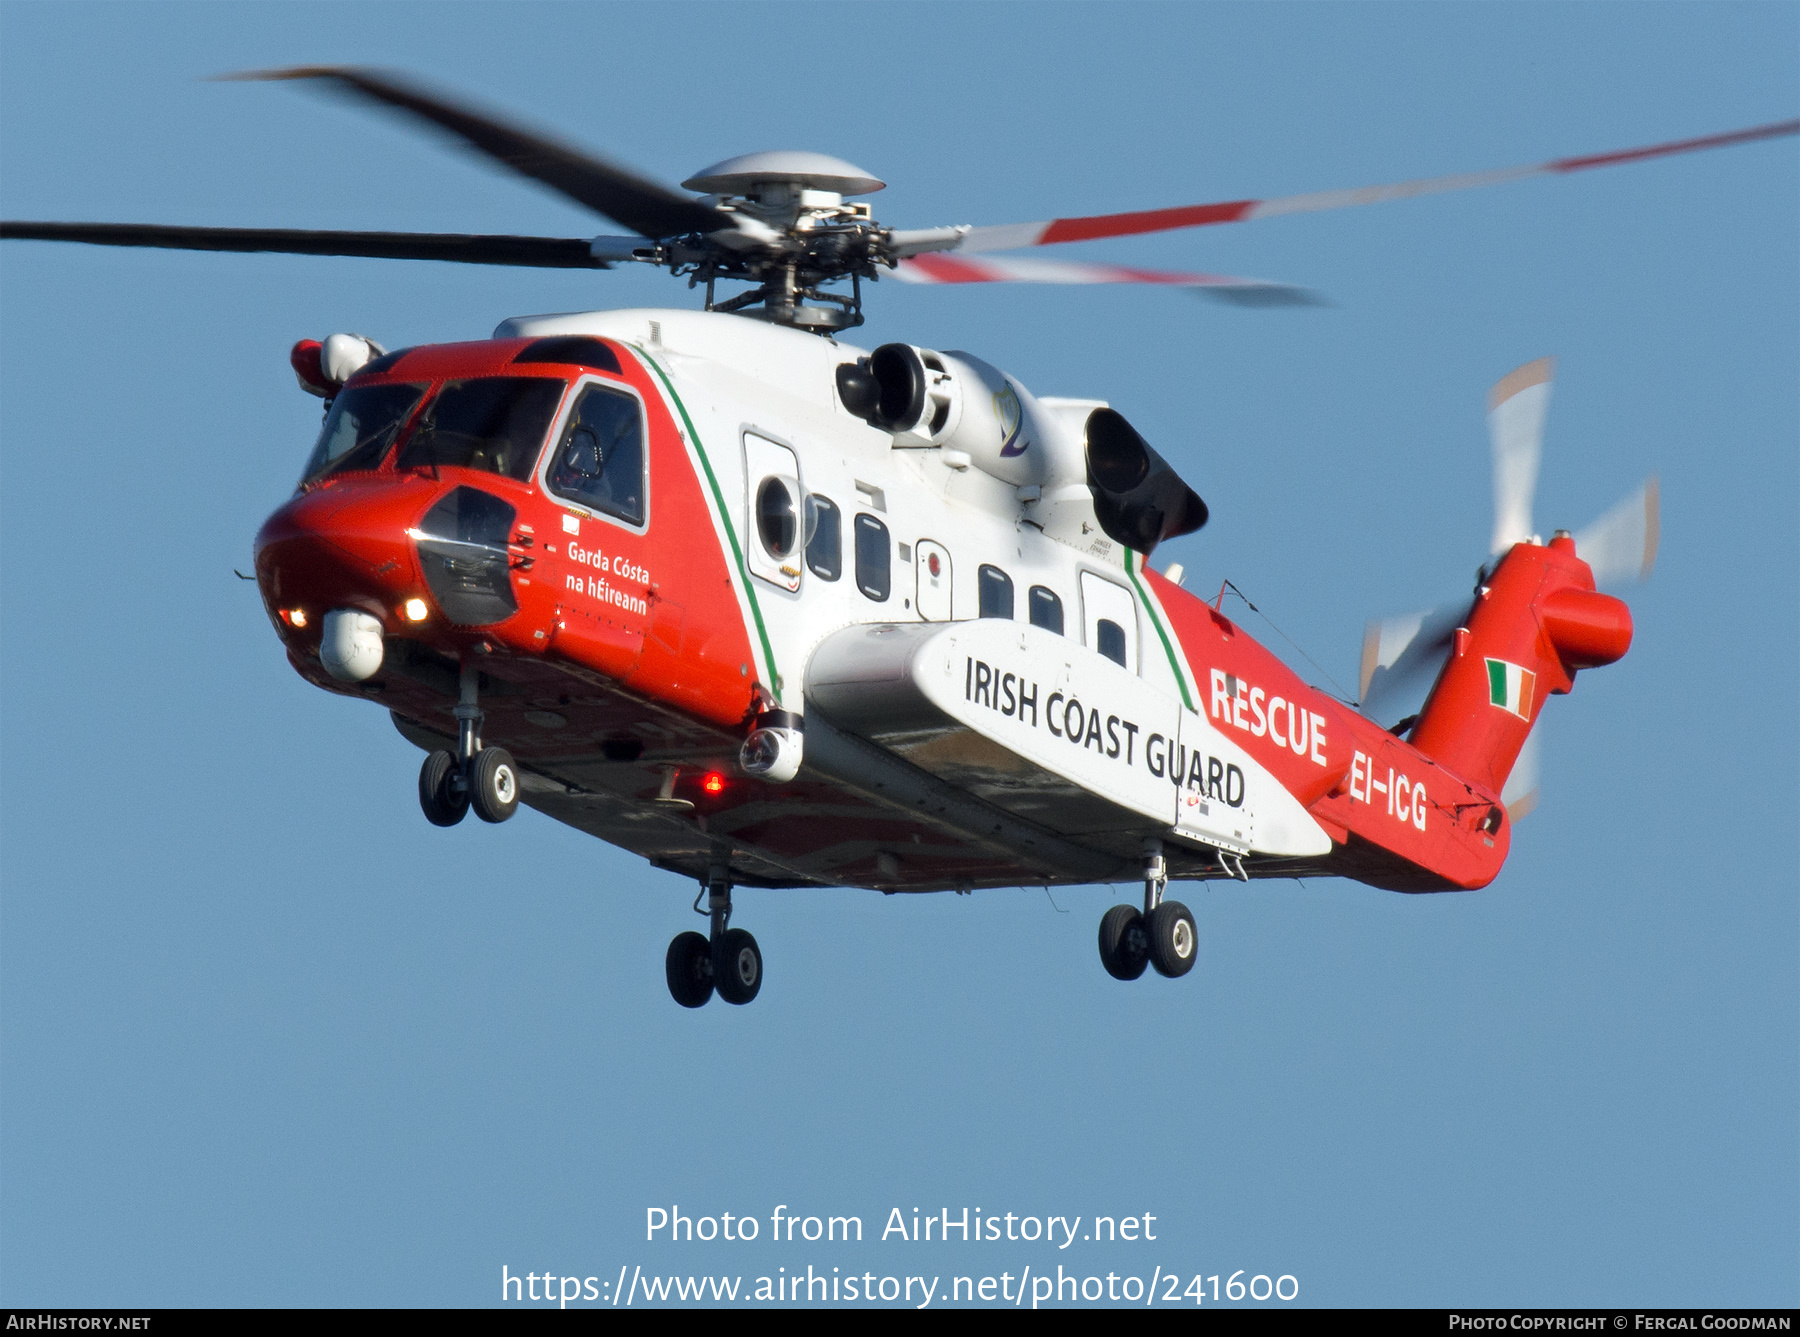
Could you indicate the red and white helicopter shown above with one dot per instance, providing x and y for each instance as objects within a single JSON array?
[{"x": 771, "y": 610}]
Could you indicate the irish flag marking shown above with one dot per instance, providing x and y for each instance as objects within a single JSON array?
[{"x": 1511, "y": 687}]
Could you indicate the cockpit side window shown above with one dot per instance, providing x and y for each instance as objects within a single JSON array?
[
  {"x": 599, "y": 462},
  {"x": 362, "y": 424},
  {"x": 494, "y": 423}
]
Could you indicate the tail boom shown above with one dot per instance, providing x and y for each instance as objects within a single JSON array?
[{"x": 1423, "y": 813}]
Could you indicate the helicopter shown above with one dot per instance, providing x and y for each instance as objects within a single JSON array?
[{"x": 771, "y": 610}]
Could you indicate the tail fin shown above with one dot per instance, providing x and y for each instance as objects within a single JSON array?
[{"x": 1536, "y": 623}]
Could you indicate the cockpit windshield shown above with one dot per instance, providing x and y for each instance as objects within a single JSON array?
[
  {"x": 495, "y": 423},
  {"x": 360, "y": 427}
]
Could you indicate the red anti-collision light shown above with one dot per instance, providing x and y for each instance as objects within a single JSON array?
[
  {"x": 714, "y": 783},
  {"x": 309, "y": 369}
]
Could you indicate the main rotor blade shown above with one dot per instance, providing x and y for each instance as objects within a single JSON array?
[
  {"x": 1516, "y": 408},
  {"x": 645, "y": 206},
  {"x": 1006, "y": 236},
  {"x": 1030, "y": 269},
  {"x": 465, "y": 248}
]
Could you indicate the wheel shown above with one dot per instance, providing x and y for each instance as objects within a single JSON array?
[
  {"x": 737, "y": 967},
  {"x": 1124, "y": 946},
  {"x": 1173, "y": 942},
  {"x": 444, "y": 803},
  {"x": 494, "y": 784},
  {"x": 689, "y": 967}
]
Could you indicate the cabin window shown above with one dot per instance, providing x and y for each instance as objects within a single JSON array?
[
  {"x": 773, "y": 499},
  {"x": 825, "y": 539},
  {"x": 362, "y": 424},
  {"x": 874, "y": 559},
  {"x": 1109, "y": 620},
  {"x": 1109, "y": 640},
  {"x": 599, "y": 462},
  {"x": 1046, "y": 610},
  {"x": 496, "y": 424},
  {"x": 777, "y": 522},
  {"x": 996, "y": 592}
]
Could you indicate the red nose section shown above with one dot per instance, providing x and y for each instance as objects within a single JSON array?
[{"x": 344, "y": 546}]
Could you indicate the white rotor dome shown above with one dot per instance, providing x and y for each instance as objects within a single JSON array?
[{"x": 813, "y": 171}]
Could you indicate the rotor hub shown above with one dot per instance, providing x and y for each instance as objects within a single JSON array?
[{"x": 749, "y": 174}]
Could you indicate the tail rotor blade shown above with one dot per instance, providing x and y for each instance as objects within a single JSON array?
[
  {"x": 1516, "y": 408},
  {"x": 1521, "y": 792},
  {"x": 1621, "y": 545},
  {"x": 1401, "y": 659}
]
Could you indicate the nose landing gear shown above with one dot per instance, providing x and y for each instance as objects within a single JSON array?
[
  {"x": 1163, "y": 935},
  {"x": 727, "y": 961},
  {"x": 483, "y": 778}
]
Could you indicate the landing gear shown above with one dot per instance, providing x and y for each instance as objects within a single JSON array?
[
  {"x": 484, "y": 778},
  {"x": 737, "y": 966},
  {"x": 727, "y": 960},
  {"x": 443, "y": 800},
  {"x": 493, "y": 784},
  {"x": 1124, "y": 945},
  {"x": 1162, "y": 935},
  {"x": 1173, "y": 942},
  {"x": 689, "y": 967}
]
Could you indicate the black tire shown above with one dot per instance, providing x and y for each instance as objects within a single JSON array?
[
  {"x": 443, "y": 803},
  {"x": 689, "y": 968},
  {"x": 1124, "y": 944},
  {"x": 737, "y": 967},
  {"x": 1174, "y": 944},
  {"x": 494, "y": 784}
]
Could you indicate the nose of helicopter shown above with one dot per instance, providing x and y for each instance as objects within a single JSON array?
[{"x": 343, "y": 547}]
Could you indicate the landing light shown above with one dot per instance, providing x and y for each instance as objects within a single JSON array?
[
  {"x": 415, "y": 610},
  {"x": 714, "y": 783},
  {"x": 296, "y": 617}
]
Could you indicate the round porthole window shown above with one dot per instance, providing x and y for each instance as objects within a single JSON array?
[{"x": 776, "y": 520}]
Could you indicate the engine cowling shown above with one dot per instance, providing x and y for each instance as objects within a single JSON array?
[
  {"x": 960, "y": 403},
  {"x": 982, "y": 417},
  {"x": 1139, "y": 499}
]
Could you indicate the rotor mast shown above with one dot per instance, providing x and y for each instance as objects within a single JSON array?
[{"x": 791, "y": 232}]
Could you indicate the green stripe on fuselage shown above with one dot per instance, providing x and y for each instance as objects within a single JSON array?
[
  {"x": 1155, "y": 621},
  {"x": 737, "y": 552}
]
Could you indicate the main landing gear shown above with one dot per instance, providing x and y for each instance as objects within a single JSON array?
[
  {"x": 1162, "y": 935},
  {"x": 483, "y": 778},
  {"x": 728, "y": 961}
]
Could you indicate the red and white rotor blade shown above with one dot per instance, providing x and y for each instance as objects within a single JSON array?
[
  {"x": 1010, "y": 236},
  {"x": 1620, "y": 546},
  {"x": 941, "y": 268}
]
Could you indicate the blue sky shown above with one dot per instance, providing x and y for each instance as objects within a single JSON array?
[{"x": 268, "y": 1037}]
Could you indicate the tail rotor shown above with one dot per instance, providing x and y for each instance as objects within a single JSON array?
[{"x": 1403, "y": 657}]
